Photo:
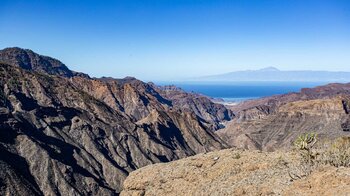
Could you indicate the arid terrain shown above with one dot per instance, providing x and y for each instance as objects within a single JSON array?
[
  {"x": 275, "y": 122},
  {"x": 65, "y": 133},
  {"x": 237, "y": 172}
]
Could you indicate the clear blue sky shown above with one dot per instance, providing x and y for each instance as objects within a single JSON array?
[{"x": 174, "y": 39}]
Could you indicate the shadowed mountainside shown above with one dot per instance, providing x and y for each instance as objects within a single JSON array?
[{"x": 64, "y": 133}]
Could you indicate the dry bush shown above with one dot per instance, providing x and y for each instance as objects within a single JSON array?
[{"x": 335, "y": 153}]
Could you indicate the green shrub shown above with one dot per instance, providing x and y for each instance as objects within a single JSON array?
[{"x": 306, "y": 141}]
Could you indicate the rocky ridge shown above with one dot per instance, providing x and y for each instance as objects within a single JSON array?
[
  {"x": 274, "y": 122},
  {"x": 63, "y": 133}
]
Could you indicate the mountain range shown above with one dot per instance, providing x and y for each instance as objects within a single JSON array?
[
  {"x": 65, "y": 133},
  {"x": 271, "y": 74}
]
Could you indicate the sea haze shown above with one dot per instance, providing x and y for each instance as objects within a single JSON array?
[
  {"x": 240, "y": 91},
  {"x": 271, "y": 74}
]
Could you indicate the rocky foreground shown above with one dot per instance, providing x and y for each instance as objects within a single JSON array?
[{"x": 237, "y": 172}]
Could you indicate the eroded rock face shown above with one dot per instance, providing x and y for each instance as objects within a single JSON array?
[
  {"x": 131, "y": 96},
  {"x": 275, "y": 122},
  {"x": 234, "y": 172},
  {"x": 29, "y": 60},
  {"x": 63, "y": 134},
  {"x": 201, "y": 105}
]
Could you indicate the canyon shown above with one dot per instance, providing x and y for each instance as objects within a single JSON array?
[{"x": 63, "y": 132}]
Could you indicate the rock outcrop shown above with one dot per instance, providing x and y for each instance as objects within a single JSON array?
[
  {"x": 63, "y": 133},
  {"x": 29, "y": 60},
  {"x": 235, "y": 172}
]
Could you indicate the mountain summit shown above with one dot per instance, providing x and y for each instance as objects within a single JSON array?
[
  {"x": 269, "y": 69},
  {"x": 29, "y": 60}
]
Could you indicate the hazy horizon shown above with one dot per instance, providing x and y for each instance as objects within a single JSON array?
[{"x": 155, "y": 40}]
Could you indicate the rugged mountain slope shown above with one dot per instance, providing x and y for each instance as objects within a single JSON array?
[
  {"x": 275, "y": 122},
  {"x": 138, "y": 99},
  {"x": 272, "y": 102},
  {"x": 201, "y": 105},
  {"x": 67, "y": 134},
  {"x": 29, "y": 60},
  {"x": 131, "y": 96},
  {"x": 232, "y": 172}
]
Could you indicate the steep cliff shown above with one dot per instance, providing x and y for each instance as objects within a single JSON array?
[{"x": 63, "y": 133}]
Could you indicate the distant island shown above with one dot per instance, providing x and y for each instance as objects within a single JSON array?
[{"x": 270, "y": 74}]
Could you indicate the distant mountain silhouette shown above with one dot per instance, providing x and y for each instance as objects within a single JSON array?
[
  {"x": 269, "y": 69},
  {"x": 274, "y": 74}
]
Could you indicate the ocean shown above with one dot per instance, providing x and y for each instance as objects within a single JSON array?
[{"x": 241, "y": 91}]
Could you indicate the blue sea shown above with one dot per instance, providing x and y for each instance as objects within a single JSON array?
[{"x": 240, "y": 91}]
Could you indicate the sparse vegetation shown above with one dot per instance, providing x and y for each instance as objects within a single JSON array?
[
  {"x": 305, "y": 145},
  {"x": 236, "y": 155},
  {"x": 306, "y": 141},
  {"x": 335, "y": 153}
]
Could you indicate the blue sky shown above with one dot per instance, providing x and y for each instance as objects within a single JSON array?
[{"x": 170, "y": 40}]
